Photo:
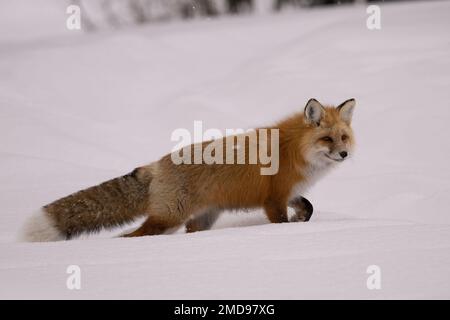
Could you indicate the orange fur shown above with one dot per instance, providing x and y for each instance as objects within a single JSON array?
[
  {"x": 310, "y": 143},
  {"x": 188, "y": 190}
]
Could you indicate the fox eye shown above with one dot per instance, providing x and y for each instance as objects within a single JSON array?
[
  {"x": 344, "y": 137},
  {"x": 327, "y": 139}
]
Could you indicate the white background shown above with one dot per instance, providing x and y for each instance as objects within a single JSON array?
[{"x": 78, "y": 109}]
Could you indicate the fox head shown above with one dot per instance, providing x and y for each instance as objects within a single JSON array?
[{"x": 330, "y": 137}]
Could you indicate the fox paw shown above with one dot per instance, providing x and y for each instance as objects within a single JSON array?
[{"x": 303, "y": 209}]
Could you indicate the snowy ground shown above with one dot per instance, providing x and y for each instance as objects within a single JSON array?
[{"x": 76, "y": 110}]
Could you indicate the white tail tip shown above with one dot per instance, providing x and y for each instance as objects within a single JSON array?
[{"x": 40, "y": 227}]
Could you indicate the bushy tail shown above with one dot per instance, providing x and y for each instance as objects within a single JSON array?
[{"x": 107, "y": 205}]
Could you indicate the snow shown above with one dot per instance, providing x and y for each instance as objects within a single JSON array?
[{"x": 77, "y": 109}]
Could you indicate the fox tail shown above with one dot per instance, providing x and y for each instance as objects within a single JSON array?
[{"x": 107, "y": 205}]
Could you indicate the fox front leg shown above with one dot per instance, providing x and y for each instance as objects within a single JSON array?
[
  {"x": 303, "y": 209},
  {"x": 276, "y": 211}
]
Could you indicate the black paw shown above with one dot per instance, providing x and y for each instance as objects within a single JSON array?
[
  {"x": 307, "y": 209},
  {"x": 303, "y": 209}
]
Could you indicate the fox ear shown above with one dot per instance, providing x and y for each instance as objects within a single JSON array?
[
  {"x": 346, "y": 110},
  {"x": 314, "y": 111}
]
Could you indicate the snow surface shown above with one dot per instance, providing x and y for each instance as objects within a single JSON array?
[{"x": 78, "y": 109}]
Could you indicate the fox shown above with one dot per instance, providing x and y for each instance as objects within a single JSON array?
[{"x": 169, "y": 195}]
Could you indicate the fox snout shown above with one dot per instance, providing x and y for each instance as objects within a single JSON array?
[{"x": 337, "y": 156}]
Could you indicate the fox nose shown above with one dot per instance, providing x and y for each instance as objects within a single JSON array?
[{"x": 343, "y": 154}]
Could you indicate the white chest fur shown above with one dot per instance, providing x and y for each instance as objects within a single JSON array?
[{"x": 311, "y": 175}]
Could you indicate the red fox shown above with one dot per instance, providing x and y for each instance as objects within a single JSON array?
[{"x": 170, "y": 195}]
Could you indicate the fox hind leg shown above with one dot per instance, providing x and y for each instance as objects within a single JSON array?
[
  {"x": 203, "y": 222},
  {"x": 155, "y": 225}
]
